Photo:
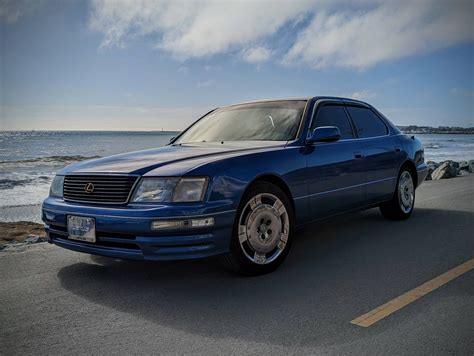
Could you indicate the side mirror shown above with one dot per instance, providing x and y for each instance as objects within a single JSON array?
[{"x": 324, "y": 134}]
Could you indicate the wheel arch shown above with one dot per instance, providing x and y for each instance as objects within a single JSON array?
[
  {"x": 275, "y": 180},
  {"x": 412, "y": 168}
]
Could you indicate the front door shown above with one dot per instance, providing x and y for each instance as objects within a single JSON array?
[{"x": 335, "y": 170}]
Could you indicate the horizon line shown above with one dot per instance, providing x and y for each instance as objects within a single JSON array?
[
  {"x": 173, "y": 131},
  {"x": 78, "y": 130}
]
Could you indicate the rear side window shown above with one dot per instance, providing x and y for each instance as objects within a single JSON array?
[
  {"x": 334, "y": 115},
  {"x": 366, "y": 122}
]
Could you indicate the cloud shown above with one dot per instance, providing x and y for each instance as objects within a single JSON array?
[
  {"x": 362, "y": 95},
  {"x": 189, "y": 29},
  {"x": 183, "y": 69},
  {"x": 206, "y": 83},
  {"x": 9, "y": 11},
  {"x": 214, "y": 68},
  {"x": 256, "y": 55},
  {"x": 462, "y": 92},
  {"x": 318, "y": 33},
  {"x": 386, "y": 31},
  {"x": 12, "y": 10}
]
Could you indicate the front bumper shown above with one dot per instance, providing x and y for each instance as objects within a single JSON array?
[{"x": 126, "y": 232}]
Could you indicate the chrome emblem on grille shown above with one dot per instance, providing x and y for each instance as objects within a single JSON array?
[{"x": 89, "y": 188}]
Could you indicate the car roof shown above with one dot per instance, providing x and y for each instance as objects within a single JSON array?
[{"x": 347, "y": 100}]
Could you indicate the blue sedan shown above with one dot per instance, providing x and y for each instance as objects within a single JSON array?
[{"x": 236, "y": 183}]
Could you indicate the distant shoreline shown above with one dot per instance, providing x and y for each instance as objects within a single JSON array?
[
  {"x": 100, "y": 131},
  {"x": 410, "y": 129},
  {"x": 441, "y": 130}
]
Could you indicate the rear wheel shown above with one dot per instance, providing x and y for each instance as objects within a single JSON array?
[
  {"x": 403, "y": 201},
  {"x": 262, "y": 231}
]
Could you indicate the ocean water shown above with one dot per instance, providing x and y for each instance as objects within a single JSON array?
[
  {"x": 29, "y": 160},
  {"x": 444, "y": 147}
]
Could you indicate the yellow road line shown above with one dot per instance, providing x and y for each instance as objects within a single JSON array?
[{"x": 403, "y": 300}]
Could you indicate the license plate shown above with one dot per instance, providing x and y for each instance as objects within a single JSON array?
[{"x": 81, "y": 228}]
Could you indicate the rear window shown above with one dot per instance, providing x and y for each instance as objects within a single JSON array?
[{"x": 366, "y": 122}]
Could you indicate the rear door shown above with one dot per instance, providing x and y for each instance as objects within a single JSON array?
[
  {"x": 334, "y": 169},
  {"x": 381, "y": 151}
]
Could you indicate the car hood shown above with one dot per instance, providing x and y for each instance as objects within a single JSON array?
[{"x": 141, "y": 162}]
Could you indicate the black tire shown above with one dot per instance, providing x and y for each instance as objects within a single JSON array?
[
  {"x": 401, "y": 207},
  {"x": 238, "y": 259}
]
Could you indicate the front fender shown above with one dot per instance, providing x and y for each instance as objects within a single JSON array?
[{"x": 229, "y": 178}]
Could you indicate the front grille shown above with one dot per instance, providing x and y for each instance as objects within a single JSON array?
[{"x": 103, "y": 189}]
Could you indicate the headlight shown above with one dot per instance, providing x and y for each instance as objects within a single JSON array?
[
  {"x": 190, "y": 189},
  {"x": 56, "y": 189},
  {"x": 155, "y": 190},
  {"x": 160, "y": 190}
]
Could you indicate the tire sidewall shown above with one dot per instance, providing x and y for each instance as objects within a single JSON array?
[{"x": 397, "y": 194}]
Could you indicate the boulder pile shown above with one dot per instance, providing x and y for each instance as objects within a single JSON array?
[{"x": 448, "y": 169}]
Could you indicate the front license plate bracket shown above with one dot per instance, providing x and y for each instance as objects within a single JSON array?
[{"x": 81, "y": 228}]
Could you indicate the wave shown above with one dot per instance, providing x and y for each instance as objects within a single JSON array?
[
  {"x": 7, "y": 183},
  {"x": 51, "y": 159},
  {"x": 432, "y": 146}
]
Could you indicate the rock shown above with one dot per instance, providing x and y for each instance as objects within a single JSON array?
[
  {"x": 431, "y": 167},
  {"x": 445, "y": 170},
  {"x": 454, "y": 163},
  {"x": 432, "y": 164},
  {"x": 428, "y": 176},
  {"x": 467, "y": 166},
  {"x": 33, "y": 239}
]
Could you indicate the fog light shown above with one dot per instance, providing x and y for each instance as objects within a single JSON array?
[{"x": 182, "y": 224}]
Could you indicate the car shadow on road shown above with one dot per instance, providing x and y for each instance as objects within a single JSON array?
[{"x": 337, "y": 269}]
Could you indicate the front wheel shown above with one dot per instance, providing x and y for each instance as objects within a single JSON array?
[
  {"x": 403, "y": 201},
  {"x": 262, "y": 231}
]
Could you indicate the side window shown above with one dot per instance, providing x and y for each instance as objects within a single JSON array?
[
  {"x": 333, "y": 115},
  {"x": 366, "y": 122}
]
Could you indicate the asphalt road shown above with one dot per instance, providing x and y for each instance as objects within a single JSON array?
[{"x": 54, "y": 301}]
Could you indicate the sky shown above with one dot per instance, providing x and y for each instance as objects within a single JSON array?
[{"x": 152, "y": 65}]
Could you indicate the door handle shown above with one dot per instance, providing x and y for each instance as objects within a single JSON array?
[
  {"x": 397, "y": 149},
  {"x": 358, "y": 155}
]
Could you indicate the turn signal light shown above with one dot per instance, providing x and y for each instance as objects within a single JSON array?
[{"x": 182, "y": 224}]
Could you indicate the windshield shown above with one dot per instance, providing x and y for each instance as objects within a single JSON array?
[{"x": 263, "y": 121}]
